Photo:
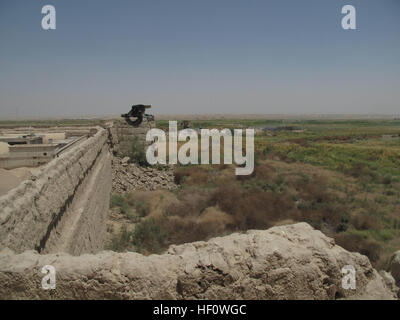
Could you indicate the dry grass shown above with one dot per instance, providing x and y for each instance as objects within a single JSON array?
[
  {"x": 356, "y": 243},
  {"x": 213, "y": 201}
]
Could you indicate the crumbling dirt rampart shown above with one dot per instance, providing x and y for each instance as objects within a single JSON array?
[
  {"x": 39, "y": 212},
  {"x": 286, "y": 262},
  {"x": 61, "y": 212},
  {"x": 121, "y": 132}
]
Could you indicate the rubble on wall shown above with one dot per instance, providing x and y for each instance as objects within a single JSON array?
[
  {"x": 127, "y": 177},
  {"x": 121, "y": 131}
]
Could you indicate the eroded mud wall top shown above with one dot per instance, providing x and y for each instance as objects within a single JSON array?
[
  {"x": 286, "y": 262},
  {"x": 121, "y": 132},
  {"x": 29, "y": 212}
]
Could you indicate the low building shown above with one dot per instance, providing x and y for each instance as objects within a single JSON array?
[
  {"x": 27, "y": 155},
  {"x": 28, "y": 139}
]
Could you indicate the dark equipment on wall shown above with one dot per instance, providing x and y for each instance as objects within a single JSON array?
[
  {"x": 185, "y": 124},
  {"x": 138, "y": 112}
]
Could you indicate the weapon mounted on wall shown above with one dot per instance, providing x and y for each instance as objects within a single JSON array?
[{"x": 137, "y": 112}]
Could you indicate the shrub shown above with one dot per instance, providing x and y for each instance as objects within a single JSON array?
[
  {"x": 119, "y": 201},
  {"x": 186, "y": 230},
  {"x": 135, "y": 150},
  {"x": 357, "y": 243},
  {"x": 396, "y": 224},
  {"x": 148, "y": 236},
  {"x": 192, "y": 201},
  {"x": 344, "y": 224},
  {"x": 387, "y": 180},
  {"x": 314, "y": 190},
  {"x": 385, "y": 235},
  {"x": 255, "y": 209},
  {"x": 365, "y": 221},
  {"x": 116, "y": 200},
  {"x": 191, "y": 175},
  {"x": 142, "y": 208},
  {"x": 120, "y": 241},
  {"x": 357, "y": 170},
  {"x": 381, "y": 199},
  {"x": 262, "y": 172}
]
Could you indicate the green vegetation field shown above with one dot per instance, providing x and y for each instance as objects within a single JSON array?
[{"x": 342, "y": 177}]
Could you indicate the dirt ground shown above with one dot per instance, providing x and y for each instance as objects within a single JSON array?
[
  {"x": 10, "y": 179},
  {"x": 3, "y": 148},
  {"x": 46, "y": 136},
  {"x": 54, "y": 136}
]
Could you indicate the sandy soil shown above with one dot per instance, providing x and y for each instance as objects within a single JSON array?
[
  {"x": 46, "y": 136},
  {"x": 9, "y": 179},
  {"x": 54, "y": 136},
  {"x": 3, "y": 148}
]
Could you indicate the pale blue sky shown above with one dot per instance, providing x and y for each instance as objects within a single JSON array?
[{"x": 199, "y": 56}]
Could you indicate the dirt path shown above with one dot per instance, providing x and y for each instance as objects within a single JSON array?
[
  {"x": 76, "y": 211},
  {"x": 9, "y": 179}
]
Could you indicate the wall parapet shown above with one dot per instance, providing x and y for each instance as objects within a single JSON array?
[
  {"x": 121, "y": 133},
  {"x": 285, "y": 262},
  {"x": 33, "y": 210}
]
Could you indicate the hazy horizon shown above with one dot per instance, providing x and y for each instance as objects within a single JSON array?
[
  {"x": 199, "y": 57},
  {"x": 216, "y": 116}
]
